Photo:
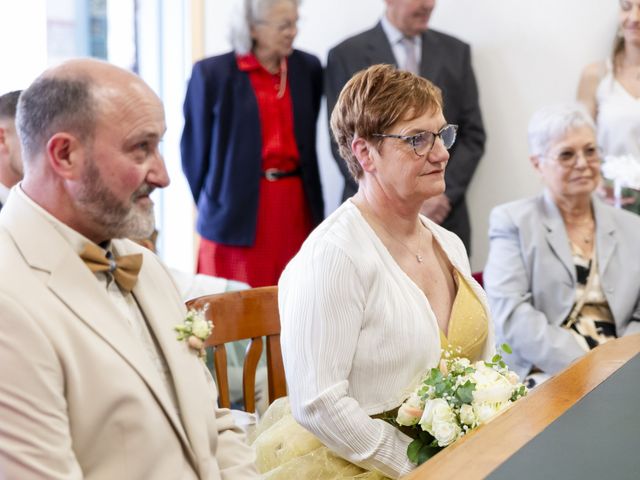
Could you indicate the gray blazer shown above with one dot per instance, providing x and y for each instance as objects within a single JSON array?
[
  {"x": 530, "y": 278},
  {"x": 446, "y": 61}
]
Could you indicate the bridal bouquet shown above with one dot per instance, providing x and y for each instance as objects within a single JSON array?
[
  {"x": 623, "y": 170},
  {"x": 454, "y": 399}
]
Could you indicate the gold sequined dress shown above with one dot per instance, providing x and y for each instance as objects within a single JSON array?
[{"x": 285, "y": 450}]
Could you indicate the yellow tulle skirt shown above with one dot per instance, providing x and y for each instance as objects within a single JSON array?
[{"x": 285, "y": 451}]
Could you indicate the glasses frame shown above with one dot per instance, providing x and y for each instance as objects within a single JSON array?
[
  {"x": 411, "y": 139},
  {"x": 626, "y": 6},
  {"x": 280, "y": 27},
  {"x": 570, "y": 165}
]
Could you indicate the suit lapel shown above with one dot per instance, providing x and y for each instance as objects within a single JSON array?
[
  {"x": 431, "y": 58},
  {"x": 606, "y": 241},
  {"x": 378, "y": 48},
  {"x": 162, "y": 315},
  {"x": 91, "y": 304},
  {"x": 556, "y": 234}
]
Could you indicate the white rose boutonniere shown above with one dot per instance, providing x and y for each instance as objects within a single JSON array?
[{"x": 195, "y": 329}]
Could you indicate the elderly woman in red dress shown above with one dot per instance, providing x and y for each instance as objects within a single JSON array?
[{"x": 248, "y": 147}]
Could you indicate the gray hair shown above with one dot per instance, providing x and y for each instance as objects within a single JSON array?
[
  {"x": 247, "y": 13},
  {"x": 53, "y": 104},
  {"x": 8, "y": 104},
  {"x": 549, "y": 124}
]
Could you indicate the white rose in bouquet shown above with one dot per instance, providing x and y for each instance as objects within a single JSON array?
[
  {"x": 436, "y": 409},
  {"x": 491, "y": 386},
  {"x": 486, "y": 411},
  {"x": 410, "y": 412},
  {"x": 445, "y": 432},
  {"x": 467, "y": 415}
]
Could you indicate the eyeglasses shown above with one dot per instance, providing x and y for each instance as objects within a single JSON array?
[
  {"x": 281, "y": 27},
  {"x": 626, "y": 5},
  {"x": 423, "y": 142},
  {"x": 569, "y": 158}
]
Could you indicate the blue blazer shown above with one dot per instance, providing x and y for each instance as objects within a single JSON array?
[
  {"x": 530, "y": 278},
  {"x": 221, "y": 144}
]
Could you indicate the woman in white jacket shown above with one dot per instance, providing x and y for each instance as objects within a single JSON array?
[{"x": 377, "y": 289}]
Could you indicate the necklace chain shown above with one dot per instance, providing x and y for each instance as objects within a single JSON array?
[
  {"x": 580, "y": 226},
  {"x": 418, "y": 253}
]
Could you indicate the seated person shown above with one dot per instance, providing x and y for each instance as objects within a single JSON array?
[
  {"x": 377, "y": 289},
  {"x": 563, "y": 273}
]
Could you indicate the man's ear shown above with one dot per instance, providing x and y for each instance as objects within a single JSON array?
[
  {"x": 65, "y": 154},
  {"x": 362, "y": 151},
  {"x": 3, "y": 139}
]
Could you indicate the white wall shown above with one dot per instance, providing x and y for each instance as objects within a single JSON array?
[
  {"x": 165, "y": 63},
  {"x": 23, "y": 40},
  {"x": 526, "y": 54}
]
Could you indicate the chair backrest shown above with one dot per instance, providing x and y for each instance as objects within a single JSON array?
[{"x": 245, "y": 314}]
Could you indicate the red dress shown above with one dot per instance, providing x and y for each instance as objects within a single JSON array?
[{"x": 284, "y": 218}]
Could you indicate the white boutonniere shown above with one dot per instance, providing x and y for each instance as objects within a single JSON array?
[{"x": 195, "y": 329}]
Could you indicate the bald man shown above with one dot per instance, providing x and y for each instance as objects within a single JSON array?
[
  {"x": 94, "y": 384},
  {"x": 10, "y": 158}
]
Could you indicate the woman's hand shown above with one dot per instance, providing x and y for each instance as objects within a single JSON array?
[{"x": 436, "y": 208}]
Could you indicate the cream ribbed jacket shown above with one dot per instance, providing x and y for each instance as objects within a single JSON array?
[{"x": 357, "y": 334}]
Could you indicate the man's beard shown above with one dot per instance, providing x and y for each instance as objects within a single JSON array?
[{"x": 103, "y": 208}]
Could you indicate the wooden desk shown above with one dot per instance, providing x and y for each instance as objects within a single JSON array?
[{"x": 480, "y": 453}]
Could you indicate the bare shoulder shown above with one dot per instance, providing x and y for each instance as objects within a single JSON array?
[
  {"x": 595, "y": 70},
  {"x": 591, "y": 76}
]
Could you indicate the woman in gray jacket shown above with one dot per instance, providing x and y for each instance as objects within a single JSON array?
[{"x": 563, "y": 273}]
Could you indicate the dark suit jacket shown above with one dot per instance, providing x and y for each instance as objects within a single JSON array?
[
  {"x": 221, "y": 144},
  {"x": 446, "y": 61}
]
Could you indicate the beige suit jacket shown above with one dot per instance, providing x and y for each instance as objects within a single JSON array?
[{"x": 79, "y": 397}]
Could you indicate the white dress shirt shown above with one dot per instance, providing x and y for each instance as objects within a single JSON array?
[
  {"x": 4, "y": 193},
  {"x": 395, "y": 37}
]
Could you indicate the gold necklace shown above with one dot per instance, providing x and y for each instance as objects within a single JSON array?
[
  {"x": 418, "y": 253},
  {"x": 583, "y": 221},
  {"x": 579, "y": 227}
]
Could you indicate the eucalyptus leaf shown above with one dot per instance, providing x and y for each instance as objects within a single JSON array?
[
  {"x": 426, "y": 452},
  {"x": 465, "y": 392},
  {"x": 413, "y": 450}
]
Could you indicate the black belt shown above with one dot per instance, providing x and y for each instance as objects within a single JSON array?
[{"x": 273, "y": 174}]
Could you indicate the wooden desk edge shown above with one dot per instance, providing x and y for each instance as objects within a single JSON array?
[{"x": 481, "y": 452}]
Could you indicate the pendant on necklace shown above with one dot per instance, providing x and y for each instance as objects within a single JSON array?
[{"x": 419, "y": 258}]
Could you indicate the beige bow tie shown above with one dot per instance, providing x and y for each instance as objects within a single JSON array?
[{"x": 124, "y": 269}]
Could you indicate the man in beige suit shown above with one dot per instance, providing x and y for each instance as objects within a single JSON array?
[{"x": 93, "y": 383}]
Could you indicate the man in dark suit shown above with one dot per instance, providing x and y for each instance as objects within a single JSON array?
[
  {"x": 402, "y": 38},
  {"x": 10, "y": 157}
]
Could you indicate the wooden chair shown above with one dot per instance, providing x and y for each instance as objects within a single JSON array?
[{"x": 246, "y": 314}]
